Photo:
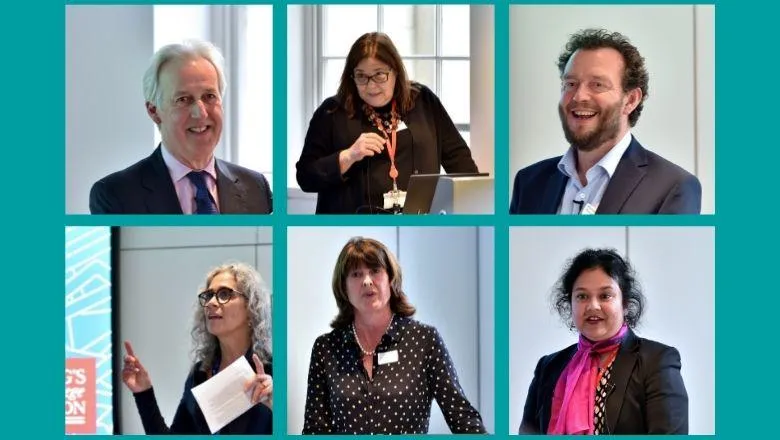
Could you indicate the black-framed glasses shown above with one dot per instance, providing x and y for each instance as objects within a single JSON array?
[
  {"x": 223, "y": 294},
  {"x": 362, "y": 79}
]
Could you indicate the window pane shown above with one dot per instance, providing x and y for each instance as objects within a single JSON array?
[
  {"x": 422, "y": 71},
  {"x": 466, "y": 137},
  {"x": 455, "y": 89},
  {"x": 455, "y": 30},
  {"x": 342, "y": 25},
  {"x": 255, "y": 137},
  {"x": 412, "y": 28},
  {"x": 331, "y": 77}
]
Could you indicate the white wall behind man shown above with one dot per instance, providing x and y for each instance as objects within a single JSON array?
[
  {"x": 678, "y": 119},
  {"x": 442, "y": 278},
  {"x": 107, "y": 51},
  {"x": 161, "y": 270},
  {"x": 676, "y": 268}
]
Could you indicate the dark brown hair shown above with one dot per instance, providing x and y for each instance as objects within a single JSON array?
[
  {"x": 634, "y": 74},
  {"x": 373, "y": 254},
  {"x": 375, "y": 45},
  {"x": 617, "y": 268}
]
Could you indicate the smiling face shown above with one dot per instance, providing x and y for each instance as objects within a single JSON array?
[
  {"x": 224, "y": 320},
  {"x": 190, "y": 112},
  {"x": 597, "y": 305},
  {"x": 368, "y": 289},
  {"x": 594, "y": 108},
  {"x": 373, "y": 93}
]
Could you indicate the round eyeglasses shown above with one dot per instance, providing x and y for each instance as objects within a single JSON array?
[
  {"x": 362, "y": 79},
  {"x": 223, "y": 295}
]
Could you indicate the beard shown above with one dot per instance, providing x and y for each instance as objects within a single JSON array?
[{"x": 607, "y": 129}]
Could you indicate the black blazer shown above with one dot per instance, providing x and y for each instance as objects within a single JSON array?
[
  {"x": 436, "y": 144},
  {"x": 648, "y": 396},
  {"x": 146, "y": 188},
  {"x": 189, "y": 418},
  {"x": 643, "y": 183}
]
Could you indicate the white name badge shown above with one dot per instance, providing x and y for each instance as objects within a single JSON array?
[
  {"x": 588, "y": 210},
  {"x": 388, "y": 357},
  {"x": 401, "y": 126}
]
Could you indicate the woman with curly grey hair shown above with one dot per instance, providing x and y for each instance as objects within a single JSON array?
[
  {"x": 233, "y": 320},
  {"x": 611, "y": 381}
]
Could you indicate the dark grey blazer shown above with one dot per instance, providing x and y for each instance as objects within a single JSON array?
[
  {"x": 647, "y": 394},
  {"x": 146, "y": 188},
  {"x": 643, "y": 183}
]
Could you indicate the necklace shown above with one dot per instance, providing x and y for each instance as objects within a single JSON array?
[
  {"x": 388, "y": 126},
  {"x": 363, "y": 350}
]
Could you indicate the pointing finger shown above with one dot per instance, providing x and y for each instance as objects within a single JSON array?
[{"x": 258, "y": 365}]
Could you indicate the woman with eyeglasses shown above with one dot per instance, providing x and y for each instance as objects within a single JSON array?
[
  {"x": 378, "y": 370},
  {"x": 233, "y": 320},
  {"x": 612, "y": 381},
  {"x": 363, "y": 144}
]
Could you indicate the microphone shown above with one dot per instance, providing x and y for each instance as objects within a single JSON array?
[{"x": 579, "y": 204}]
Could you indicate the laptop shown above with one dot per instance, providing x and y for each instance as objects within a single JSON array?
[{"x": 422, "y": 188}]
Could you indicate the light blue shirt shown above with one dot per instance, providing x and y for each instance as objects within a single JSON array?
[{"x": 585, "y": 199}]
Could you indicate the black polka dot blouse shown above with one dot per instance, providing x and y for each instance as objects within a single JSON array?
[{"x": 341, "y": 399}]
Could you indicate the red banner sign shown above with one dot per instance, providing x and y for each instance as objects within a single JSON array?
[{"x": 80, "y": 397}]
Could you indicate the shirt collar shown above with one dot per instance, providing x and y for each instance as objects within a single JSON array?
[
  {"x": 609, "y": 162},
  {"x": 179, "y": 171}
]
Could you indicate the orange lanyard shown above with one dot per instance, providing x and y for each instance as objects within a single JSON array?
[
  {"x": 610, "y": 359},
  {"x": 390, "y": 141}
]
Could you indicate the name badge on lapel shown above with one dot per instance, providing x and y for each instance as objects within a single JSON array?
[
  {"x": 588, "y": 210},
  {"x": 387, "y": 357}
]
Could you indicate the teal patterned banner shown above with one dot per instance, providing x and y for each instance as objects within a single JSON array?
[{"x": 88, "y": 395}]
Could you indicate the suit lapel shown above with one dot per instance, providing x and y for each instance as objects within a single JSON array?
[
  {"x": 160, "y": 195},
  {"x": 630, "y": 171},
  {"x": 622, "y": 368},
  {"x": 230, "y": 190},
  {"x": 553, "y": 192}
]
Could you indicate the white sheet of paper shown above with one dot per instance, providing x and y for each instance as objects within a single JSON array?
[{"x": 222, "y": 398}]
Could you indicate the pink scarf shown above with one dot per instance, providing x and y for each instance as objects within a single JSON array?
[{"x": 575, "y": 391}]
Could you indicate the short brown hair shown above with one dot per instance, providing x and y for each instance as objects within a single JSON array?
[
  {"x": 374, "y": 254},
  {"x": 635, "y": 74},
  {"x": 375, "y": 45}
]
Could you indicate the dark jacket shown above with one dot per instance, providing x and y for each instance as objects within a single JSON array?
[
  {"x": 647, "y": 395},
  {"x": 432, "y": 141},
  {"x": 189, "y": 418},
  {"x": 146, "y": 188},
  {"x": 643, "y": 183}
]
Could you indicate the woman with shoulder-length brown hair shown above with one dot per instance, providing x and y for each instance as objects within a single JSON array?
[
  {"x": 363, "y": 144},
  {"x": 378, "y": 370}
]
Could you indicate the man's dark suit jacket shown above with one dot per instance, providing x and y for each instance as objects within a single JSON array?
[
  {"x": 189, "y": 418},
  {"x": 146, "y": 188},
  {"x": 647, "y": 397},
  {"x": 643, "y": 183}
]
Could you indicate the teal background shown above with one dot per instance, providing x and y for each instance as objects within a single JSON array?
[{"x": 747, "y": 155}]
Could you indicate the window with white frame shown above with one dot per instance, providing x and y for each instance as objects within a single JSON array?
[
  {"x": 433, "y": 40},
  {"x": 244, "y": 35}
]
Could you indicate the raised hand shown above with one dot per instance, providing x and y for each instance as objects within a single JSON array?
[
  {"x": 134, "y": 375},
  {"x": 261, "y": 385},
  {"x": 368, "y": 144}
]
